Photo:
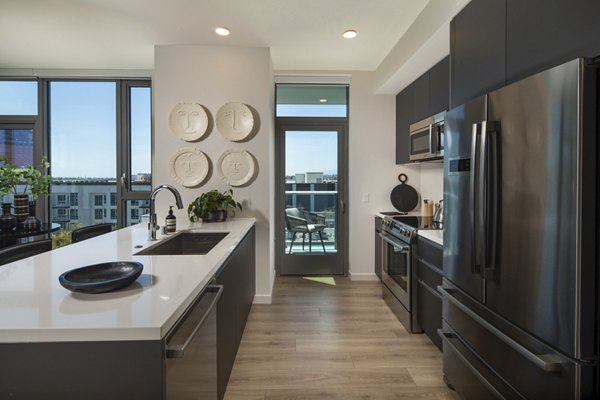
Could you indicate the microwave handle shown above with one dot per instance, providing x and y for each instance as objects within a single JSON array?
[{"x": 431, "y": 135}]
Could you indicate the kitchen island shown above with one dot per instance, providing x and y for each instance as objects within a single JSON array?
[{"x": 108, "y": 344}]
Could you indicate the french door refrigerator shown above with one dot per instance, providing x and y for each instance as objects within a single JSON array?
[{"x": 520, "y": 300}]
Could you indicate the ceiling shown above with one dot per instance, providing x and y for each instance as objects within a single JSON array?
[{"x": 121, "y": 34}]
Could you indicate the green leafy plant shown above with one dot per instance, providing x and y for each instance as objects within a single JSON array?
[
  {"x": 63, "y": 237},
  {"x": 32, "y": 179},
  {"x": 210, "y": 202}
]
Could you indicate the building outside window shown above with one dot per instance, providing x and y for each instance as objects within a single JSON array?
[
  {"x": 73, "y": 214},
  {"x": 99, "y": 199},
  {"x": 135, "y": 213},
  {"x": 113, "y": 199},
  {"x": 74, "y": 199},
  {"x": 98, "y": 214},
  {"x": 113, "y": 213}
]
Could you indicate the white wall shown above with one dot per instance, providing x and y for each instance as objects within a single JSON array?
[
  {"x": 432, "y": 181},
  {"x": 213, "y": 76},
  {"x": 372, "y": 168}
]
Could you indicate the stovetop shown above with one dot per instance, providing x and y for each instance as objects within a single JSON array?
[
  {"x": 418, "y": 222},
  {"x": 405, "y": 227}
]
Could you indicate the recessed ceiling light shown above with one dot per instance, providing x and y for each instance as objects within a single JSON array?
[
  {"x": 323, "y": 100},
  {"x": 350, "y": 33},
  {"x": 222, "y": 31}
]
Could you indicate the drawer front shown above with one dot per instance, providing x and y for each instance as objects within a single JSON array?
[
  {"x": 507, "y": 358},
  {"x": 467, "y": 374},
  {"x": 431, "y": 252},
  {"x": 429, "y": 312},
  {"x": 429, "y": 274}
]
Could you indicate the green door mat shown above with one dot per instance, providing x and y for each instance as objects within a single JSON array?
[{"x": 328, "y": 280}]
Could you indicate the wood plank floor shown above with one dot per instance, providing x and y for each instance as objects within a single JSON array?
[{"x": 332, "y": 342}]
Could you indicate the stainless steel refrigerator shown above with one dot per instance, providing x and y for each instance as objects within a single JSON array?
[{"x": 520, "y": 300}]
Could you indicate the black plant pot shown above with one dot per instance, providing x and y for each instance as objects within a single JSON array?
[
  {"x": 215, "y": 216},
  {"x": 8, "y": 221},
  {"x": 32, "y": 223}
]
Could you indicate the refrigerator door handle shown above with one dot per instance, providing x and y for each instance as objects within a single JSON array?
[
  {"x": 546, "y": 362},
  {"x": 474, "y": 191},
  {"x": 488, "y": 213}
]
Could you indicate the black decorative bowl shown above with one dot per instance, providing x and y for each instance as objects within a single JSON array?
[{"x": 100, "y": 278}]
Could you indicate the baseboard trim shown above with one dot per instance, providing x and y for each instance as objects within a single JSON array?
[
  {"x": 361, "y": 276},
  {"x": 262, "y": 299}
]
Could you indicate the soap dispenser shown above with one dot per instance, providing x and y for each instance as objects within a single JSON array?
[{"x": 171, "y": 221}]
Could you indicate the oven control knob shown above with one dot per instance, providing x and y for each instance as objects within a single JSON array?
[{"x": 403, "y": 231}]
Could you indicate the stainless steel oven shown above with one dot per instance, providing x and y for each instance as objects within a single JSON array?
[
  {"x": 427, "y": 138},
  {"x": 396, "y": 275}
]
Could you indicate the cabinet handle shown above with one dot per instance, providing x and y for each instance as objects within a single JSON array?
[{"x": 178, "y": 350}]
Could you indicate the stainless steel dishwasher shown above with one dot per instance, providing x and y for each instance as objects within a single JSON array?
[{"x": 191, "y": 350}]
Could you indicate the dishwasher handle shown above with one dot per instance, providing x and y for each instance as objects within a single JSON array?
[{"x": 177, "y": 350}]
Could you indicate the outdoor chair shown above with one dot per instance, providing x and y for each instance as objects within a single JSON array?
[{"x": 304, "y": 222}]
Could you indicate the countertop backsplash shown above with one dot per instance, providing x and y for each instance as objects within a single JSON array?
[{"x": 432, "y": 181}]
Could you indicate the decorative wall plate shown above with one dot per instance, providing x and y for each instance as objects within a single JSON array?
[
  {"x": 235, "y": 121},
  {"x": 188, "y": 121},
  {"x": 189, "y": 167},
  {"x": 236, "y": 167}
]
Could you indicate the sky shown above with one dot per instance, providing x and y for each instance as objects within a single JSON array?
[
  {"x": 83, "y": 125},
  {"x": 310, "y": 151}
]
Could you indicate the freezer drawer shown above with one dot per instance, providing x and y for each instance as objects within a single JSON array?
[
  {"x": 527, "y": 365},
  {"x": 472, "y": 379}
]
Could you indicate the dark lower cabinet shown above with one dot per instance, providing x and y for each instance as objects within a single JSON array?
[
  {"x": 238, "y": 279},
  {"x": 429, "y": 261}
]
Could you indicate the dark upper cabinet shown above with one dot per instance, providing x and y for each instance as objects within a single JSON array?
[
  {"x": 542, "y": 34},
  {"x": 426, "y": 96},
  {"x": 403, "y": 119},
  {"x": 420, "y": 99},
  {"x": 439, "y": 86},
  {"x": 477, "y": 50}
]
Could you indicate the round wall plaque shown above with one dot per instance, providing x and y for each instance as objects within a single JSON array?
[
  {"x": 188, "y": 121},
  {"x": 235, "y": 121},
  {"x": 236, "y": 167},
  {"x": 189, "y": 167}
]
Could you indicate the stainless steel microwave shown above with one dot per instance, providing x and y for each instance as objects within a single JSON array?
[{"x": 427, "y": 138}]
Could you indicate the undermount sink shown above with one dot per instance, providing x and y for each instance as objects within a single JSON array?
[{"x": 185, "y": 243}]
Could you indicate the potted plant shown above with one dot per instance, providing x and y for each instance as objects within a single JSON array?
[
  {"x": 212, "y": 206},
  {"x": 23, "y": 180}
]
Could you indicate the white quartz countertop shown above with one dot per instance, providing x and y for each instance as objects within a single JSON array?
[
  {"x": 34, "y": 307},
  {"x": 435, "y": 235}
]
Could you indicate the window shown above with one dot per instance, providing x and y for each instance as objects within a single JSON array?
[
  {"x": 134, "y": 202},
  {"x": 99, "y": 200},
  {"x": 73, "y": 214},
  {"x": 98, "y": 214},
  {"x": 109, "y": 160},
  {"x": 61, "y": 214},
  {"x": 18, "y": 97},
  {"x": 61, "y": 200},
  {"x": 97, "y": 131},
  {"x": 135, "y": 213},
  {"x": 311, "y": 100}
]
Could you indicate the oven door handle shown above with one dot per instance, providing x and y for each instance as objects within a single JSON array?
[{"x": 405, "y": 248}]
